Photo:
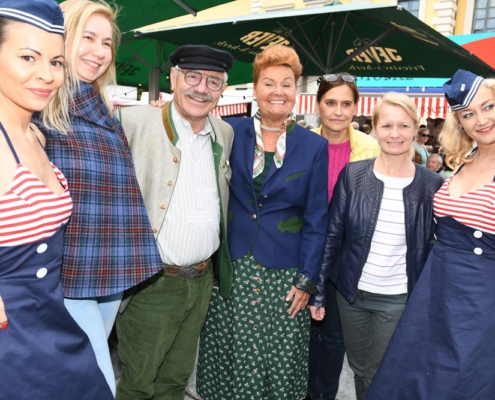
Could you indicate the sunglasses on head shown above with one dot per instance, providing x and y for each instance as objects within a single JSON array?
[{"x": 335, "y": 77}]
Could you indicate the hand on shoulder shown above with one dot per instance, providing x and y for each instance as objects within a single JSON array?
[{"x": 158, "y": 103}]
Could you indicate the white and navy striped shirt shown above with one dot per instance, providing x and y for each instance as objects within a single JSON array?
[{"x": 385, "y": 268}]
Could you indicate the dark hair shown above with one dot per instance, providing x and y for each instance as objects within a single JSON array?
[
  {"x": 4, "y": 22},
  {"x": 55, "y": 115},
  {"x": 325, "y": 86}
]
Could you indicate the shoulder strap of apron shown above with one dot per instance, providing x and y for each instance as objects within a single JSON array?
[{"x": 9, "y": 143}]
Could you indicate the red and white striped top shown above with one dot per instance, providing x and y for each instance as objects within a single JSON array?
[
  {"x": 30, "y": 211},
  {"x": 475, "y": 209}
]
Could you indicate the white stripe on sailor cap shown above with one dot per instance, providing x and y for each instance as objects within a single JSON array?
[
  {"x": 469, "y": 97},
  {"x": 31, "y": 19}
]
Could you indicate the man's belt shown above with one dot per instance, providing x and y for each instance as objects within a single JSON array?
[{"x": 186, "y": 272}]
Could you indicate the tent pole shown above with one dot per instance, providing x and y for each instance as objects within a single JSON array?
[
  {"x": 154, "y": 84},
  {"x": 302, "y": 48},
  {"x": 135, "y": 55},
  {"x": 362, "y": 48},
  {"x": 310, "y": 44},
  {"x": 190, "y": 10},
  {"x": 154, "y": 75},
  {"x": 332, "y": 50}
]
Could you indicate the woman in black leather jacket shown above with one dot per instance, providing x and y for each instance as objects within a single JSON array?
[{"x": 380, "y": 232}]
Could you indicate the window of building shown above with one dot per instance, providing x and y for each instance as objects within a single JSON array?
[
  {"x": 412, "y": 6},
  {"x": 484, "y": 16}
]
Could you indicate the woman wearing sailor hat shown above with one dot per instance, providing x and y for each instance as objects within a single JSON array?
[
  {"x": 443, "y": 347},
  {"x": 43, "y": 352}
]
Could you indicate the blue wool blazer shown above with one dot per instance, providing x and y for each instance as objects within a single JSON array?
[{"x": 285, "y": 226}]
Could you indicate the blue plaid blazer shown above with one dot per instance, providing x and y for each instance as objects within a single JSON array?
[{"x": 109, "y": 245}]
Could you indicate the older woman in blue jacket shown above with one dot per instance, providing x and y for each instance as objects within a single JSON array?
[
  {"x": 380, "y": 232},
  {"x": 255, "y": 343}
]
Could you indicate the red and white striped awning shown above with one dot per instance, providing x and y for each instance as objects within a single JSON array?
[
  {"x": 432, "y": 107},
  {"x": 306, "y": 104},
  {"x": 232, "y": 109},
  {"x": 428, "y": 107}
]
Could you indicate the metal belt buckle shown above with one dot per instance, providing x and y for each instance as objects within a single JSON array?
[{"x": 187, "y": 272}]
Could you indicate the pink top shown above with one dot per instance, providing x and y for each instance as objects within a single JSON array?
[{"x": 338, "y": 156}]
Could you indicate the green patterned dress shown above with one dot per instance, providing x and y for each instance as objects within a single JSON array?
[{"x": 250, "y": 348}]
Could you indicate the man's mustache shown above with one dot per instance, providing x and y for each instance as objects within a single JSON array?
[{"x": 199, "y": 96}]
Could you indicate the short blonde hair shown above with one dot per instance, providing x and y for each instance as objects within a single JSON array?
[
  {"x": 76, "y": 15},
  {"x": 274, "y": 56},
  {"x": 401, "y": 100},
  {"x": 456, "y": 143}
]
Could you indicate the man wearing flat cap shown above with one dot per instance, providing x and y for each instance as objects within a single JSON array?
[{"x": 181, "y": 156}]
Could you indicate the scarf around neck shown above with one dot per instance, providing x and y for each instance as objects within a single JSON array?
[{"x": 259, "y": 151}]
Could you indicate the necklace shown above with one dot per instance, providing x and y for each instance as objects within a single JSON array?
[{"x": 269, "y": 128}]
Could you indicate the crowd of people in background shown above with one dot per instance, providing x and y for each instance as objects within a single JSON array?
[
  {"x": 276, "y": 246},
  {"x": 428, "y": 151}
]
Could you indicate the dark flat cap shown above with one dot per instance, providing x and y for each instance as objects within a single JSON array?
[
  {"x": 44, "y": 14},
  {"x": 202, "y": 57},
  {"x": 460, "y": 90}
]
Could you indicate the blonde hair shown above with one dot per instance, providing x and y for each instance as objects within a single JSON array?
[
  {"x": 456, "y": 143},
  {"x": 274, "y": 56},
  {"x": 401, "y": 100},
  {"x": 76, "y": 15},
  {"x": 56, "y": 115}
]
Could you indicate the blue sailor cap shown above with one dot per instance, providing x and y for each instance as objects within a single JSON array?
[
  {"x": 460, "y": 90},
  {"x": 44, "y": 14}
]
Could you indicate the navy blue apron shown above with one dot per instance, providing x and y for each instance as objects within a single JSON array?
[
  {"x": 44, "y": 354},
  {"x": 444, "y": 344}
]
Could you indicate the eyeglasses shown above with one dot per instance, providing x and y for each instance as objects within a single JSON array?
[
  {"x": 424, "y": 135},
  {"x": 194, "y": 78},
  {"x": 335, "y": 77}
]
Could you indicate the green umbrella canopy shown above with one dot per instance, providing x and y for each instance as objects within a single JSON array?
[
  {"x": 365, "y": 40},
  {"x": 136, "y": 58},
  {"x": 137, "y": 13}
]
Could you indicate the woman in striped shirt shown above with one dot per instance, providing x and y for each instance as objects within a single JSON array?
[
  {"x": 443, "y": 347},
  {"x": 43, "y": 352},
  {"x": 380, "y": 231}
]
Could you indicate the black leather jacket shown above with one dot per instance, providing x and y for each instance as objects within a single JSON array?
[{"x": 353, "y": 213}]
